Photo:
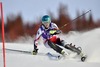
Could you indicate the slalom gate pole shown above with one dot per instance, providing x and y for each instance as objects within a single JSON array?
[
  {"x": 76, "y": 18},
  {"x": 3, "y": 35}
]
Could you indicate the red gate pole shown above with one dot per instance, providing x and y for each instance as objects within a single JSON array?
[{"x": 3, "y": 35}]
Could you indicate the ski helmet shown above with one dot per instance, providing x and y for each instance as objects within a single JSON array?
[{"x": 46, "y": 19}]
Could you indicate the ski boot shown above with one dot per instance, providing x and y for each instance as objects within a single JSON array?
[{"x": 73, "y": 48}]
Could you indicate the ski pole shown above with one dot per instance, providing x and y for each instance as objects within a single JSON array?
[{"x": 76, "y": 18}]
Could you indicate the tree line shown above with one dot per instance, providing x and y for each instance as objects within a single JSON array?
[{"x": 15, "y": 26}]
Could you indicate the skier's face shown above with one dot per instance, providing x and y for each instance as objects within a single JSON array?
[{"x": 46, "y": 25}]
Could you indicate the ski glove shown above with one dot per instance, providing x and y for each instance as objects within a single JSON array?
[
  {"x": 54, "y": 32},
  {"x": 35, "y": 51}
]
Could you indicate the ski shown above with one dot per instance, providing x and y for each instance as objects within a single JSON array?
[
  {"x": 53, "y": 56},
  {"x": 83, "y": 57}
]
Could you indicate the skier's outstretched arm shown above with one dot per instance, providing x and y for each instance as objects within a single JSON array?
[{"x": 37, "y": 37}]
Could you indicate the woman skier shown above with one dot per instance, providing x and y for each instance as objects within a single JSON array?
[{"x": 48, "y": 31}]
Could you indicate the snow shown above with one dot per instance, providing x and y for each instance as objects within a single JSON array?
[{"x": 89, "y": 41}]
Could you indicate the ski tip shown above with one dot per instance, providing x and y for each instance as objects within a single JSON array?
[{"x": 83, "y": 58}]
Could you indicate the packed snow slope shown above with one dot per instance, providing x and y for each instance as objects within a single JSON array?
[{"x": 89, "y": 41}]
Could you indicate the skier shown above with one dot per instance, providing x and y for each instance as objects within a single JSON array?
[{"x": 48, "y": 31}]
